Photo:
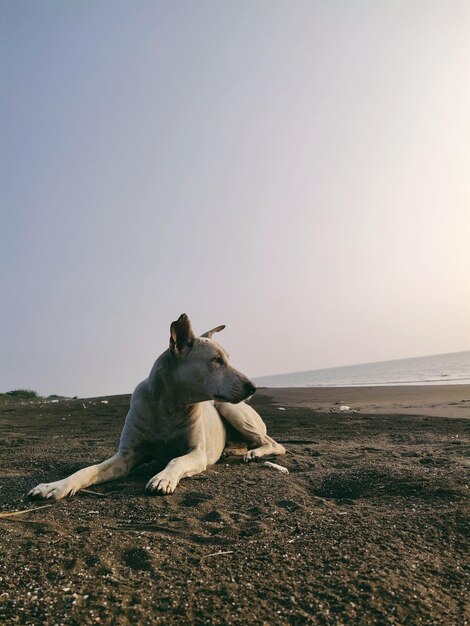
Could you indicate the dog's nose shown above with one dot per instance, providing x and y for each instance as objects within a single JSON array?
[{"x": 249, "y": 388}]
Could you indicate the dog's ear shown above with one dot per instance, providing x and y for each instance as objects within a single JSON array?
[
  {"x": 217, "y": 329},
  {"x": 181, "y": 335}
]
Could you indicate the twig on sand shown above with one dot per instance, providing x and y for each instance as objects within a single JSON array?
[
  {"x": 206, "y": 556},
  {"x": 35, "y": 508},
  {"x": 239, "y": 513},
  {"x": 297, "y": 441},
  {"x": 94, "y": 493},
  {"x": 138, "y": 528}
]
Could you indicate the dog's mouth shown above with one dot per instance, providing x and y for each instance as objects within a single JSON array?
[
  {"x": 220, "y": 398},
  {"x": 232, "y": 400}
]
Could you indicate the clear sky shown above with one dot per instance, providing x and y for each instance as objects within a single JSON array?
[{"x": 295, "y": 170}]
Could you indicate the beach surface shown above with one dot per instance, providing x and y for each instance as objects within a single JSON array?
[
  {"x": 370, "y": 526},
  {"x": 431, "y": 400}
]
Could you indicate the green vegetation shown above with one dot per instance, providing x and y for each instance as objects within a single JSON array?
[
  {"x": 20, "y": 394},
  {"x": 27, "y": 394}
]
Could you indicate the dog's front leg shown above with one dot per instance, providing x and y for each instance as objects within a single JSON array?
[
  {"x": 165, "y": 482},
  {"x": 117, "y": 466}
]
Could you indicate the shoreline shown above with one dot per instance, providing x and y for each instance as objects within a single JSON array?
[{"x": 451, "y": 401}]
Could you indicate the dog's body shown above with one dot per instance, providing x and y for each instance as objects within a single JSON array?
[{"x": 179, "y": 406}]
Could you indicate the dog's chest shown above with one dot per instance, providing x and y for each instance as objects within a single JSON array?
[
  {"x": 164, "y": 432},
  {"x": 162, "y": 426}
]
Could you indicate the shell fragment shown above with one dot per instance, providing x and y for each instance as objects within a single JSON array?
[{"x": 277, "y": 467}]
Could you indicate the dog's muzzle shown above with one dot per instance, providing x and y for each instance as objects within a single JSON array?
[
  {"x": 243, "y": 393},
  {"x": 249, "y": 388}
]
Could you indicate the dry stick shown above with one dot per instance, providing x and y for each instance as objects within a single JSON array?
[
  {"x": 239, "y": 513},
  {"x": 217, "y": 554},
  {"x": 94, "y": 493},
  {"x": 297, "y": 441},
  {"x": 147, "y": 527},
  {"x": 22, "y": 520},
  {"x": 36, "y": 508}
]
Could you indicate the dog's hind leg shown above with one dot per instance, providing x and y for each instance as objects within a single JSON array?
[
  {"x": 249, "y": 423},
  {"x": 117, "y": 466}
]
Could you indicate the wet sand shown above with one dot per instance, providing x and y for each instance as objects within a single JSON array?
[{"x": 369, "y": 527}]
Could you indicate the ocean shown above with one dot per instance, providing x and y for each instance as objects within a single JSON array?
[{"x": 438, "y": 369}]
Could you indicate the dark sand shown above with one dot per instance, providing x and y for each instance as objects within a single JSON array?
[{"x": 370, "y": 527}]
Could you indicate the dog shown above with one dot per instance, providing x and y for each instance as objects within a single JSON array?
[{"x": 180, "y": 410}]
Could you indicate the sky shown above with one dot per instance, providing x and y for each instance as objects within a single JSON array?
[{"x": 296, "y": 170}]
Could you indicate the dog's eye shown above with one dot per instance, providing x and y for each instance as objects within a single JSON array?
[{"x": 218, "y": 359}]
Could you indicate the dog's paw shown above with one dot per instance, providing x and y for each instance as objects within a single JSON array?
[
  {"x": 50, "y": 491},
  {"x": 161, "y": 484},
  {"x": 252, "y": 455}
]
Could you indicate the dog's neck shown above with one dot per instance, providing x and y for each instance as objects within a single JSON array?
[{"x": 165, "y": 387}]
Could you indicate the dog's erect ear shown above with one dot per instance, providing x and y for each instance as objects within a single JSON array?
[
  {"x": 217, "y": 329},
  {"x": 181, "y": 335}
]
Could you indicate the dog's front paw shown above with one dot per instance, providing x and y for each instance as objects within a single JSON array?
[
  {"x": 162, "y": 484},
  {"x": 48, "y": 491}
]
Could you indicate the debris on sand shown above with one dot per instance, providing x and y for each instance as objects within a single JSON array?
[
  {"x": 98, "y": 494},
  {"x": 14, "y": 513},
  {"x": 277, "y": 467},
  {"x": 220, "y": 553}
]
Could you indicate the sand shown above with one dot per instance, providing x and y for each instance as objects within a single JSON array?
[{"x": 369, "y": 527}]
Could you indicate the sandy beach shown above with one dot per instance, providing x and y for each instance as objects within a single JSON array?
[
  {"x": 435, "y": 400},
  {"x": 369, "y": 527}
]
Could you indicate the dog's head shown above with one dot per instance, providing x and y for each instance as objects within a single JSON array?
[{"x": 202, "y": 365}]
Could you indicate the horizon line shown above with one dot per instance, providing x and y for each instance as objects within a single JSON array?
[{"x": 336, "y": 367}]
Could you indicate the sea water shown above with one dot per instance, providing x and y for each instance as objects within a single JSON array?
[{"x": 438, "y": 369}]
